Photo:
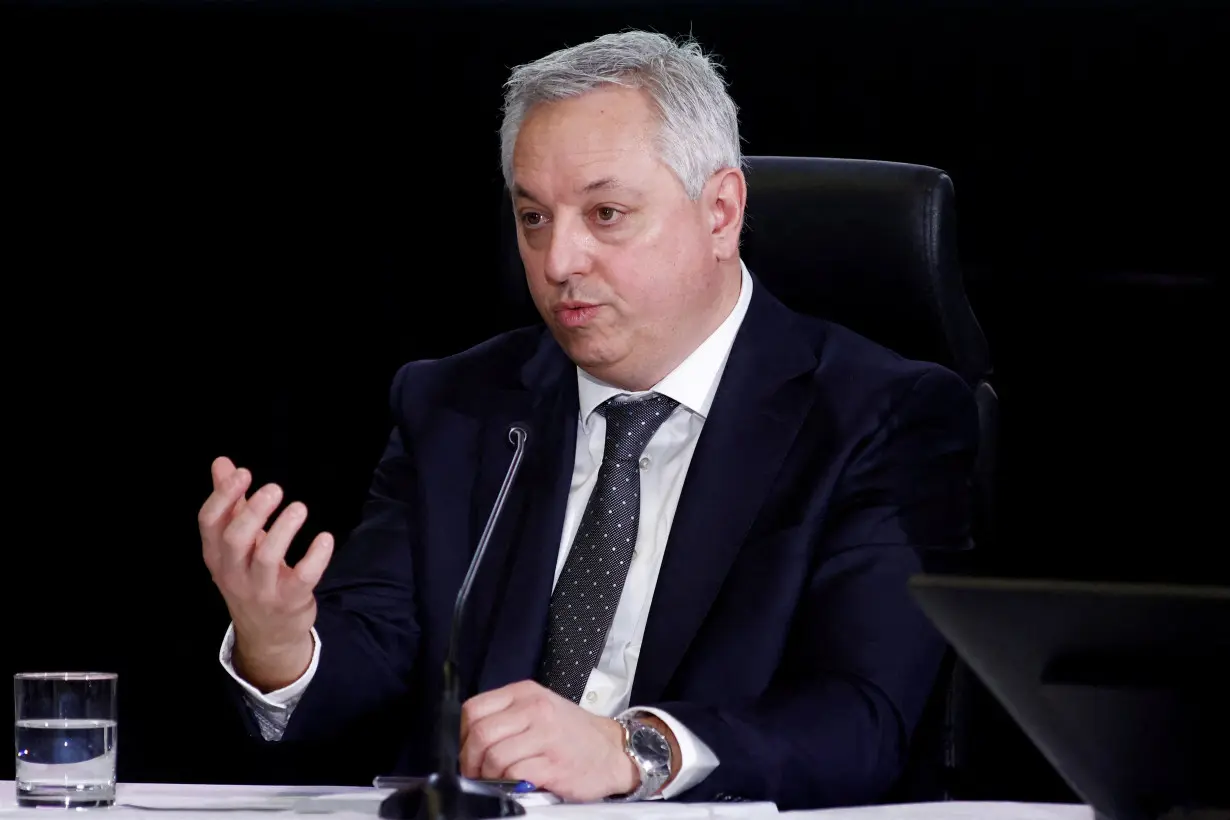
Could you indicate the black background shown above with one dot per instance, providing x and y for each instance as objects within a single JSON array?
[{"x": 227, "y": 224}]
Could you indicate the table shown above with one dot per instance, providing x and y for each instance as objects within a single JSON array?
[{"x": 144, "y": 801}]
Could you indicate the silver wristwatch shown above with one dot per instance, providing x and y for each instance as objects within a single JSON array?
[{"x": 651, "y": 752}]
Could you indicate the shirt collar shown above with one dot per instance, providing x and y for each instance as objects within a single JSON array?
[{"x": 694, "y": 382}]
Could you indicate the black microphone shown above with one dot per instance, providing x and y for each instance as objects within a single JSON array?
[{"x": 446, "y": 795}]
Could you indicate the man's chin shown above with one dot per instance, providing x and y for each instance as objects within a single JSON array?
[{"x": 585, "y": 350}]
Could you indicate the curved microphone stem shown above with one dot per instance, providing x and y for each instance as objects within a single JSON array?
[
  {"x": 445, "y": 795},
  {"x": 518, "y": 437}
]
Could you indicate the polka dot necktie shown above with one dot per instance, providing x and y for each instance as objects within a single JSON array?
[{"x": 587, "y": 592}]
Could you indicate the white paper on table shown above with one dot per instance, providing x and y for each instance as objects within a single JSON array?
[
  {"x": 546, "y": 804},
  {"x": 186, "y": 797},
  {"x": 368, "y": 801},
  {"x": 364, "y": 801},
  {"x": 658, "y": 810}
]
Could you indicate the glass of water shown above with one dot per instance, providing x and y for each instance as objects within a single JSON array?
[{"x": 65, "y": 733}]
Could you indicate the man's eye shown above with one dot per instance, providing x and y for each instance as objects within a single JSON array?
[
  {"x": 531, "y": 219},
  {"x": 608, "y": 215}
]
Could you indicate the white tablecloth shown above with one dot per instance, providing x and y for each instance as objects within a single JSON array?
[{"x": 140, "y": 801}]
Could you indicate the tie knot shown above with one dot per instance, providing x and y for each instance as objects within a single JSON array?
[{"x": 631, "y": 423}]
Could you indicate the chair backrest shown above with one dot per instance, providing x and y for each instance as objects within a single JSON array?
[
  {"x": 873, "y": 246},
  {"x": 869, "y": 245}
]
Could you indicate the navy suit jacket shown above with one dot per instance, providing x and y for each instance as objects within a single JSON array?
[{"x": 781, "y": 631}]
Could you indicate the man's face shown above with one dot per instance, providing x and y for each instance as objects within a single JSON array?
[{"x": 621, "y": 264}]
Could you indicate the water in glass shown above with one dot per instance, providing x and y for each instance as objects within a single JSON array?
[{"x": 65, "y": 738}]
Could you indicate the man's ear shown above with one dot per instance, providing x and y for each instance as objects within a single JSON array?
[{"x": 725, "y": 197}]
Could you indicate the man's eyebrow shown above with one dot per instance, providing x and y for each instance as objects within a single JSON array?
[
  {"x": 520, "y": 192},
  {"x": 604, "y": 184}
]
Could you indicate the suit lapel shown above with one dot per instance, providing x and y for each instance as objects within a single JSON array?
[
  {"x": 760, "y": 404},
  {"x": 522, "y": 591}
]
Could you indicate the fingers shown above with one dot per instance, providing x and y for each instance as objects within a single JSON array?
[
  {"x": 239, "y": 535},
  {"x": 269, "y": 554},
  {"x": 221, "y": 470},
  {"x": 234, "y": 538},
  {"x": 213, "y": 516},
  {"x": 236, "y": 510},
  {"x": 484, "y": 704},
  {"x": 495, "y": 730},
  {"x": 502, "y": 757},
  {"x": 537, "y": 770},
  {"x": 312, "y": 565}
]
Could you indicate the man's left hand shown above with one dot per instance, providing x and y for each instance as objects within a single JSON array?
[{"x": 525, "y": 731}]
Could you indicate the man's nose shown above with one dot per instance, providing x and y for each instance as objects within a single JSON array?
[{"x": 568, "y": 249}]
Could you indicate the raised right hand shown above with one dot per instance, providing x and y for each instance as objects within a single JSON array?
[{"x": 272, "y": 605}]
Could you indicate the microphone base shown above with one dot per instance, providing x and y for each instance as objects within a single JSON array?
[{"x": 450, "y": 798}]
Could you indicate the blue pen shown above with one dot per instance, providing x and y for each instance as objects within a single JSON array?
[{"x": 523, "y": 787}]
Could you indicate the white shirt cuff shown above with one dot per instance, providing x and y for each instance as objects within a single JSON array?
[
  {"x": 696, "y": 760},
  {"x": 272, "y": 710}
]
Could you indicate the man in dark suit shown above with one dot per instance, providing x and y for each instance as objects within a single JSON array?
[{"x": 698, "y": 587}]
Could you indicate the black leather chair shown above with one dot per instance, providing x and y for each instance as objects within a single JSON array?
[{"x": 873, "y": 246}]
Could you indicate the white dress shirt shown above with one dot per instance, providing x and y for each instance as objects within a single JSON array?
[{"x": 664, "y": 466}]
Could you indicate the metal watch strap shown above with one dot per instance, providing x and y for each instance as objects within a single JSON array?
[{"x": 652, "y": 777}]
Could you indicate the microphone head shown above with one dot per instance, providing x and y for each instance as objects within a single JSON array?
[{"x": 518, "y": 434}]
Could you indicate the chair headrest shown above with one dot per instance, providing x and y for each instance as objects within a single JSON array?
[{"x": 870, "y": 245}]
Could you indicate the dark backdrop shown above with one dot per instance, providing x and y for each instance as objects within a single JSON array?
[{"x": 227, "y": 224}]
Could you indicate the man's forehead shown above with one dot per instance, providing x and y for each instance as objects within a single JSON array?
[
  {"x": 581, "y": 186},
  {"x": 600, "y": 141}
]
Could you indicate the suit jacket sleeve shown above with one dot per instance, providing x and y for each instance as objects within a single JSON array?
[
  {"x": 366, "y": 623},
  {"x": 834, "y": 725}
]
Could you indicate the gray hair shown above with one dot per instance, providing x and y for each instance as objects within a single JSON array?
[{"x": 699, "y": 132}]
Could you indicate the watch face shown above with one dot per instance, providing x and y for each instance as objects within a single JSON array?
[{"x": 648, "y": 745}]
